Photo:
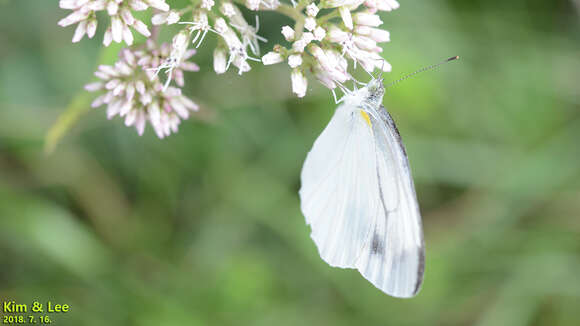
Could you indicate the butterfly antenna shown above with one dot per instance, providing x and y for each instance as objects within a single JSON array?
[
  {"x": 382, "y": 69},
  {"x": 422, "y": 70}
]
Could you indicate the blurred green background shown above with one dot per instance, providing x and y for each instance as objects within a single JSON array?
[{"x": 204, "y": 227}]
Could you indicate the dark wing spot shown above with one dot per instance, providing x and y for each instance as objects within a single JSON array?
[
  {"x": 420, "y": 270},
  {"x": 377, "y": 245}
]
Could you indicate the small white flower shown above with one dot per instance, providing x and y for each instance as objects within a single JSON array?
[
  {"x": 80, "y": 31},
  {"x": 91, "y": 27},
  {"x": 271, "y": 4},
  {"x": 73, "y": 18},
  {"x": 228, "y": 9},
  {"x": 271, "y": 58},
  {"x": 319, "y": 33},
  {"x": 221, "y": 26},
  {"x": 337, "y": 75},
  {"x": 117, "y": 28},
  {"x": 237, "y": 50},
  {"x": 307, "y": 37},
  {"x": 108, "y": 37},
  {"x": 299, "y": 82},
  {"x": 367, "y": 19},
  {"x": 127, "y": 16},
  {"x": 253, "y": 4},
  {"x": 219, "y": 60},
  {"x": 378, "y": 35},
  {"x": 200, "y": 24},
  {"x": 169, "y": 18},
  {"x": 127, "y": 35},
  {"x": 248, "y": 33},
  {"x": 331, "y": 63},
  {"x": 112, "y": 8},
  {"x": 310, "y": 23},
  {"x": 339, "y": 3},
  {"x": 158, "y": 4},
  {"x": 365, "y": 43},
  {"x": 138, "y": 5},
  {"x": 346, "y": 17},
  {"x": 179, "y": 46},
  {"x": 142, "y": 28},
  {"x": 262, "y": 4},
  {"x": 337, "y": 35},
  {"x": 294, "y": 60},
  {"x": 299, "y": 45},
  {"x": 288, "y": 33},
  {"x": 207, "y": 4},
  {"x": 382, "y": 5},
  {"x": 312, "y": 10}
]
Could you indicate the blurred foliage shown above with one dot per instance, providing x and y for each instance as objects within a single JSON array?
[{"x": 205, "y": 227}]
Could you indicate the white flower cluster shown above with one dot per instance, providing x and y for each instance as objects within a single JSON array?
[
  {"x": 324, "y": 46},
  {"x": 134, "y": 92},
  {"x": 328, "y": 37},
  {"x": 120, "y": 12}
]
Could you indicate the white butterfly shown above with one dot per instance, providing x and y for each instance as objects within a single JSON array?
[{"x": 358, "y": 196}]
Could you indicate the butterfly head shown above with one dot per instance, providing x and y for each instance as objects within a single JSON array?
[{"x": 375, "y": 91}]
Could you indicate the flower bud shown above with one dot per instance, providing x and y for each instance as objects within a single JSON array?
[
  {"x": 227, "y": 8},
  {"x": 310, "y": 23},
  {"x": 253, "y": 4},
  {"x": 207, "y": 4},
  {"x": 80, "y": 31},
  {"x": 346, "y": 17},
  {"x": 299, "y": 45},
  {"x": 219, "y": 60},
  {"x": 319, "y": 33},
  {"x": 337, "y": 35},
  {"x": 141, "y": 27},
  {"x": 367, "y": 19},
  {"x": 299, "y": 82},
  {"x": 386, "y": 5},
  {"x": 312, "y": 10},
  {"x": 307, "y": 37},
  {"x": 294, "y": 60},
  {"x": 168, "y": 18},
  {"x": 220, "y": 25},
  {"x": 271, "y": 58},
  {"x": 288, "y": 33},
  {"x": 91, "y": 27},
  {"x": 376, "y": 34},
  {"x": 158, "y": 4}
]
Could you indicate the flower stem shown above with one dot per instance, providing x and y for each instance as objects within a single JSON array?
[
  {"x": 299, "y": 27},
  {"x": 289, "y": 11},
  {"x": 328, "y": 16}
]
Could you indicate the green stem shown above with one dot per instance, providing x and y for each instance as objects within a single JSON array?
[
  {"x": 289, "y": 11},
  {"x": 77, "y": 108},
  {"x": 330, "y": 15},
  {"x": 184, "y": 10},
  {"x": 299, "y": 28}
]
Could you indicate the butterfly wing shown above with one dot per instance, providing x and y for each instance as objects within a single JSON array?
[
  {"x": 394, "y": 263},
  {"x": 358, "y": 196}
]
